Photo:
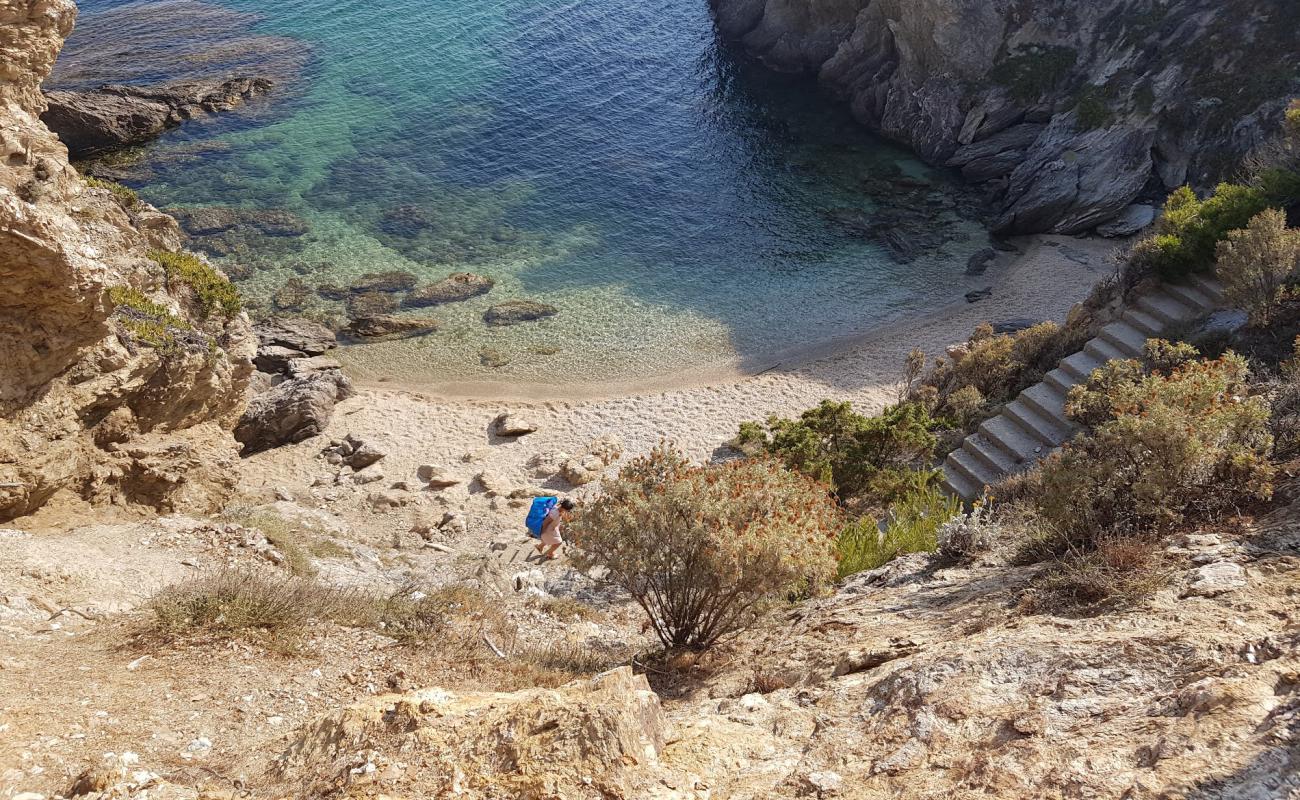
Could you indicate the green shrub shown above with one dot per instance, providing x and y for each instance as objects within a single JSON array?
[
  {"x": 124, "y": 195},
  {"x": 1092, "y": 109},
  {"x": 912, "y": 526},
  {"x": 1188, "y": 234},
  {"x": 1256, "y": 263},
  {"x": 1280, "y": 186},
  {"x": 1162, "y": 446},
  {"x": 704, "y": 550},
  {"x": 212, "y": 292},
  {"x": 851, "y": 452},
  {"x": 1034, "y": 69},
  {"x": 995, "y": 368}
]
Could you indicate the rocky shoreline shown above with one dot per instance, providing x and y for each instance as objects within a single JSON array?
[{"x": 1068, "y": 112}]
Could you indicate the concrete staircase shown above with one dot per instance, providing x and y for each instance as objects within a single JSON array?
[{"x": 1034, "y": 424}]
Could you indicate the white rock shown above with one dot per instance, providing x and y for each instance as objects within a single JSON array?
[
  {"x": 367, "y": 476},
  {"x": 1130, "y": 221},
  {"x": 513, "y": 424},
  {"x": 827, "y": 783},
  {"x": 1215, "y": 579}
]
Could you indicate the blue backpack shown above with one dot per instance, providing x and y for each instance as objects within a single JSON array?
[{"x": 537, "y": 514}]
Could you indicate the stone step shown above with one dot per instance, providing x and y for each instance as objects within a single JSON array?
[
  {"x": 1060, "y": 380},
  {"x": 1126, "y": 338},
  {"x": 1190, "y": 296},
  {"x": 971, "y": 471},
  {"x": 959, "y": 486},
  {"x": 1080, "y": 365},
  {"x": 1211, "y": 288},
  {"x": 1047, "y": 401},
  {"x": 1047, "y": 430},
  {"x": 1103, "y": 350},
  {"x": 1144, "y": 322},
  {"x": 990, "y": 455},
  {"x": 1164, "y": 307},
  {"x": 1018, "y": 445}
]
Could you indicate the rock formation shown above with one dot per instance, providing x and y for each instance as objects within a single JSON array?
[
  {"x": 118, "y": 376},
  {"x": 596, "y": 738},
  {"x": 298, "y": 384},
  {"x": 113, "y": 116},
  {"x": 1068, "y": 110}
]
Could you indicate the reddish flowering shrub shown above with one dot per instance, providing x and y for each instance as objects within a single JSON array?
[{"x": 703, "y": 549}]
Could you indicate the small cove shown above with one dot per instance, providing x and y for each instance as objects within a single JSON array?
[{"x": 681, "y": 206}]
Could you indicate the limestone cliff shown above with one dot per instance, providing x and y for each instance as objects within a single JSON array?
[
  {"x": 118, "y": 379},
  {"x": 1069, "y": 110}
]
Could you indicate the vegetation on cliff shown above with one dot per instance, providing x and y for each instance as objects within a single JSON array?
[{"x": 211, "y": 291}]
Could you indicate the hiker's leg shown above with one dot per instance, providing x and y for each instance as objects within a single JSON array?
[{"x": 549, "y": 552}]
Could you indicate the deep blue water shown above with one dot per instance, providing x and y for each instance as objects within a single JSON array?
[{"x": 676, "y": 202}]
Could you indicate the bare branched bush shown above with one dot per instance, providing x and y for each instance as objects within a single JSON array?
[{"x": 704, "y": 549}]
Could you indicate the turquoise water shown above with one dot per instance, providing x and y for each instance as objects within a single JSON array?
[{"x": 680, "y": 206}]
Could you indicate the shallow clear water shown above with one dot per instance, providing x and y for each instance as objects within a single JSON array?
[{"x": 678, "y": 204}]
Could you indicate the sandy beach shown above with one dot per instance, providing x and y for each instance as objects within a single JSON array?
[{"x": 699, "y": 412}]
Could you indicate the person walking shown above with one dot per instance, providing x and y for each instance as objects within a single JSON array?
[{"x": 552, "y": 538}]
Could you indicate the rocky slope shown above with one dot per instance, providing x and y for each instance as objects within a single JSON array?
[
  {"x": 118, "y": 379},
  {"x": 1068, "y": 110}
]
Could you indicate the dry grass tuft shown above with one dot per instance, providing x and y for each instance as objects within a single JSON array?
[
  {"x": 566, "y": 609},
  {"x": 256, "y": 604}
]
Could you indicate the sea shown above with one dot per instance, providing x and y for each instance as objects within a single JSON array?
[{"x": 683, "y": 207}]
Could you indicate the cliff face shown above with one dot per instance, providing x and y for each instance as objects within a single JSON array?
[
  {"x": 1067, "y": 109},
  {"x": 116, "y": 382}
]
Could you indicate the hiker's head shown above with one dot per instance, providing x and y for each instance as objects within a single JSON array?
[{"x": 567, "y": 506}]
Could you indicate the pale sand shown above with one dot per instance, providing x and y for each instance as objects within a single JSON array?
[{"x": 697, "y": 412}]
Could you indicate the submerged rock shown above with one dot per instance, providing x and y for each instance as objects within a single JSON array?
[
  {"x": 513, "y": 312},
  {"x": 370, "y": 304},
  {"x": 332, "y": 291},
  {"x": 452, "y": 289},
  {"x": 390, "y": 281},
  {"x": 112, "y": 117},
  {"x": 293, "y": 295},
  {"x": 390, "y": 326},
  {"x": 492, "y": 357},
  {"x": 979, "y": 262}
]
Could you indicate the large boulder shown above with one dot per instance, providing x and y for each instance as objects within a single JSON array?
[
  {"x": 452, "y": 289},
  {"x": 94, "y": 122},
  {"x": 513, "y": 312},
  {"x": 112, "y": 117},
  {"x": 295, "y": 333},
  {"x": 600, "y": 737},
  {"x": 292, "y": 411}
]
